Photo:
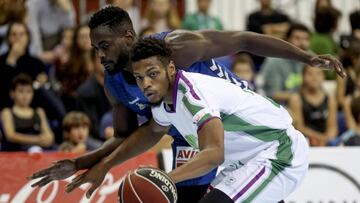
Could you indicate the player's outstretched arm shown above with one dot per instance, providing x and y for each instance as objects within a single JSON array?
[
  {"x": 191, "y": 46},
  {"x": 138, "y": 142},
  {"x": 211, "y": 155},
  {"x": 123, "y": 126}
]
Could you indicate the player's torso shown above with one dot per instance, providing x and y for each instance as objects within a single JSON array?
[{"x": 245, "y": 116}]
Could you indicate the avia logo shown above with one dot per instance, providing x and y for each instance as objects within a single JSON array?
[{"x": 185, "y": 153}]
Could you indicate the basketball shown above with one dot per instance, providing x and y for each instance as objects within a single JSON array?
[{"x": 147, "y": 185}]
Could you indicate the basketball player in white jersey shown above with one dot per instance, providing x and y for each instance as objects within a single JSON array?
[{"x": 264, "y": 157}]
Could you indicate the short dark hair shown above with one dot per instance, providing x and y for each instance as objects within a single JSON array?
[
  {"x": 326, "y": 20},
  {"x": 75, "y": 119},
  {"x": 149, "y": 47},
  {"x": 355, "y": 109},
  {"x": 296, "y": 27},
  {"x": 115, "y": 17},
  {"x": 21, "y": 79}
]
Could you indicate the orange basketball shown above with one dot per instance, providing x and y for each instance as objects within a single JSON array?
[{"x": 147, "y": 185}]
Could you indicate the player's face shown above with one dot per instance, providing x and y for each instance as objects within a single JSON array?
[
  {"x": 112, "y": 48},
  {"x": 153, "y": 78}
]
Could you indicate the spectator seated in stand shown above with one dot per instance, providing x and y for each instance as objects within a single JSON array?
[
  {"x": 18, "y": 60},
  {"x": 352, "y": 136},
  {"x": 78, "y": 68},
  {"x": 47, "y": 20},
  {"x": 160, "y": 15},
  {"x": 76, "y": 128},
  {"x": 202, "y": 19},
  {"x": 325, "y": 24},
  {"x": 282, "y": 76},
  {"x": 243, "y": 67},
  {"x": 25, "y": 128},
  {"x": 313, "y": 110}
]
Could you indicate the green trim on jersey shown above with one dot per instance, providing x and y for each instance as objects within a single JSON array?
[
  {"x": 284, "y": 154},
  {"x": 182, "y": 88},
  {"x": 192, "y": 141},
  {"x": 192, "y": 108}
]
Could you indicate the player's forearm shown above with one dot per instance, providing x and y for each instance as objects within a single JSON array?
[
  {"x": 138, "y": 142},
  {"x": 93, "y": 157},
  {"x": 205, "y": 161},
  {"x": 272, "y": 47}
]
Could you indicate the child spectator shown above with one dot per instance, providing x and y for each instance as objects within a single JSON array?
[
  {"x": 243, "y": 68},
  {"x": 24, "y": 127},
  {"x": 76, "y": 126},
  {"x": 314, "y": 111}
]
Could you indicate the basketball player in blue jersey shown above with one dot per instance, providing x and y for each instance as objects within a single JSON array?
[{"x": 112, "y": 35}]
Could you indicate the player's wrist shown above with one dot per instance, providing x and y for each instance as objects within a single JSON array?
[
  {"x": 107, "y": 163},
  {"x": 308, "y": 57}
]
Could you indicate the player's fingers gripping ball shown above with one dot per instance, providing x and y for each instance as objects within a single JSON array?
[{"x": 147, "y": 185}]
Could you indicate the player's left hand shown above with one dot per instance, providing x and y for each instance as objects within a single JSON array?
[
  {"x": 94, "y": 176},
  {"x": 328, "y": 62}
]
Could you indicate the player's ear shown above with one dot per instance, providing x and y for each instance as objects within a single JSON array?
[
  {"x": 129, "y": 36},
  {"x": 171, "y": 69}
]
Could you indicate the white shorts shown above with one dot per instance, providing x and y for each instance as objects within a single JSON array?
[{"x": 263, "y": 180}]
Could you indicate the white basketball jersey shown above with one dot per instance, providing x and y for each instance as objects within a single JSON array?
[{"x": 254, "y": 125}]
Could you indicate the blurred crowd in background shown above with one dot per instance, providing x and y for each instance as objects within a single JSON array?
[{"x": 51, "y": 81}]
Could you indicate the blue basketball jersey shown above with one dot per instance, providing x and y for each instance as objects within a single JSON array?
[{"x": 131, "y": 96}]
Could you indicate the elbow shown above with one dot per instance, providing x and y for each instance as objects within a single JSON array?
[
  {"x": 245, "y": 40},
  {"x": 217, "y": 157},
  {"x": 49, "y": 141},
  {"x": 11, "y": 137}
]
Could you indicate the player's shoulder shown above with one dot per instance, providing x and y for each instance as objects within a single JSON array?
[{"x": 160, "y": 35}]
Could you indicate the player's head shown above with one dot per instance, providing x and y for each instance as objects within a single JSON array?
[
  {"x": 22, "y": 90},
  {"x": 153, "y": 68},
  {"x": 313, "y": 78},
  {"x": 112, "y": 35}
]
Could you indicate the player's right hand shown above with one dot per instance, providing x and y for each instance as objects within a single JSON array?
[{"x": 59, "y": 170}]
